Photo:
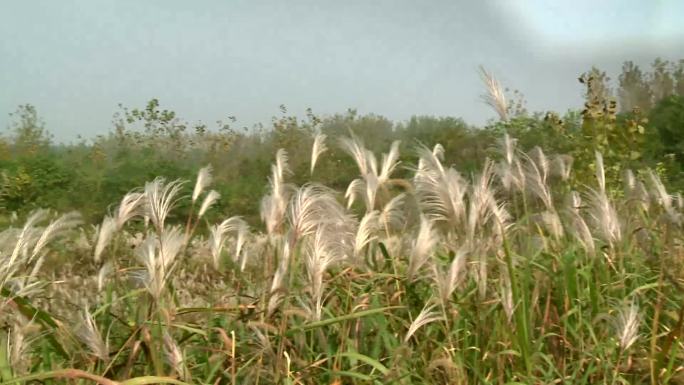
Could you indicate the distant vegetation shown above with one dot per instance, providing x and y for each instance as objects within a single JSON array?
[
  {"x": 542, "y": 248},
  {"x": 636, "y": 123}
]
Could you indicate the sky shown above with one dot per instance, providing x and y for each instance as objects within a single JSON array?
[{"x": 77, "y": 60}]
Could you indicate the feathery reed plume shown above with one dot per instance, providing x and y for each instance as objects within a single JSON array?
[
  {"x": 23, "y": 241},
  {"x": 600, "y": 172},
  {"x": 311, "y": 206},
  {"x": 274, "y": 204},
  {"x": 356, "y": 189},
  {"x": 508, "y": 147},
  {"x": 19, "y": 250},
  {"x": 440, "y": 191},
  {"x": 483, "y": 207},
  {"x": 129, "y": 208},
  {"x": 627, "y": 324},
  {"x": 537, "y": 171},
  {"x": 365, "y": 233},
  {"x": 204, "y": 178},
  {"x": 217, "y": 237},
  {"x": 581, "y": 233},
  {"x": 106, "y": 269},
  {"x": 425, "y": 317},
  {"x": 424, "y": 244},
  {"x": 449, "y": 280},
  {"x": 105, "y": 234},
  {"x": 391, "y": 215},
  {"x": 278, "y": 283},
  {"x": 55, "y": 229},
  {"x": 317, "y": 149},
  {"x": 663, "y": 198},
  {"x": 495, "y": 96},
  {"x": 211, "y": 198},
  {"x": 390, "y": 161},
  {"x": 365, "y": 160},
  {"x": 552, "y": 224},
  {"x": 158, "y": 255},
  {"x": 91, "y": 337},
  {"x": 438, "y": 151},
  {"x": 562, "y": 166},
  {"x": 175, "y": 357},
  {"x": 319, "y": 255},
  {"x": 161, "y": 198},
  {"x": 510, "y": 169},
  {"x": 605, "y": 218}
]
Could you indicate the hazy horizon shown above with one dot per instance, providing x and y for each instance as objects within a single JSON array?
[{"x": 77, "y": 60}]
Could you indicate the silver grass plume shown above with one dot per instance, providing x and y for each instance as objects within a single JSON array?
[
  {"x": 319, "y": 255},
  {"x": 440, "y": 190},
  {"x": 422, "y": 247},
  {"x": 317, "y": 149},
  {"x": 627, "y": 325},
  {"x": 447, "y": 281},
  {"x": 602, "y": 211},
  {"x": 105, "y": 233},
  {"x": 365, "y": 233},
  {"x": 204, "y": 179},
  {"x": 209, "y": 200},
  {"x": 175, "y": 357},
  {"x": 425, "y": 317},
  {"x": 92, "y": 338},
  {"x": 390, "y": 161},
  {"x": 158, "y": 255},
  {"x": 161, "y": 198},
  {"x": 274, "y": 204},
  {"x": 392, "y": 215},
  {"x": 663, "y": 198},
  {"x": 218, "y": 233},
  {"x": 495, "y": 96}
]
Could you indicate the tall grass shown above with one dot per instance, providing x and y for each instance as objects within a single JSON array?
[{"x": 507, "y": 276}]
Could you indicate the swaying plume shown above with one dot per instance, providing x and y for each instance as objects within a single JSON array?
[
  {"x": 440, "y": 191},
  {"x": 627, "y": 325},
  {"x": 217, "y": 237},
  {"x": 105, "y": 234},
  {"x": 129, "y": 208},
  {"x": 311, "y": 206},
  {"x": 603, "y": 213},
  {"x": 158, "y": 255},
  {"x": 425, "y": 317},
  {"x": 211, "y": 198},
  {"x": 366, "y": 231},
  {"x": 495, "y": 96},
  {"x": 204, "y": 179},
  {"x": 274, "y": 204},
  {"x": 392, "y": 215},
  {"x": 92, "y": 338},
  {"x": 317, "y": 149},
  {"x": 422, "y": 248},
  {"x": 161, "y": 198},
  {"x": 318, "y": 257},
  {"x": 449, "y": 280}
]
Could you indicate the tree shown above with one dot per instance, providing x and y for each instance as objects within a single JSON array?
[
  {"x": 667, "y": 117},
  {"x": 634, "y": 90}
]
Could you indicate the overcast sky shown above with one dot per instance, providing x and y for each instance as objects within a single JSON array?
[{"x": 76, "y": 60}]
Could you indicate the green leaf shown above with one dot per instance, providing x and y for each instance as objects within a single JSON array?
[{"x": 368, "y": 360}]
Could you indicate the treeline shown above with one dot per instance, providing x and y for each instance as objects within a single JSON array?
[{"x": 636, "y": 123}]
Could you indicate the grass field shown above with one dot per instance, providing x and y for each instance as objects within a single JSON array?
[{"x": 505, "y": 276}]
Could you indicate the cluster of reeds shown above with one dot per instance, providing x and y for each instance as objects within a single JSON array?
[
  {"x": 511, "y": 275},
  {"x": 507, "y": 275}
]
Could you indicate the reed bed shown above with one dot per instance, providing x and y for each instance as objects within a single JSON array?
[{"x": 511, "y": 275}]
